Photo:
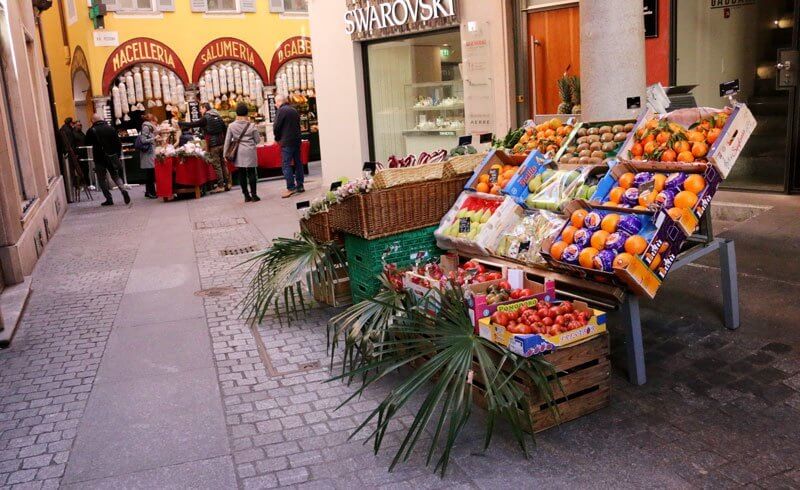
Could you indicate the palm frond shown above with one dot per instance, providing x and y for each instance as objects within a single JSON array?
[{"x": 280, "y": 271}]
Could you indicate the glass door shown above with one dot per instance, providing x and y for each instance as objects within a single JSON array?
[{"x": 754, "y": 42}]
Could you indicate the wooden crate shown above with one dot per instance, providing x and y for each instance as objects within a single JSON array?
[
  {"x": 584, "y": 372},
  {"x": 336, "y": 293}
]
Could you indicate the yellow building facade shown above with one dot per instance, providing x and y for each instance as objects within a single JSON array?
[{"x": 181, "y": 36}]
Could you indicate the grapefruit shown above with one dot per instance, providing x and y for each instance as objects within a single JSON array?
[
  {"x": 568, "y": 235},
  {"x": 557, "y": 250},
  {"x": 685, "y": 200},
  {"x": 609, "y": 223},
  {"x": 695, "y": 184}
]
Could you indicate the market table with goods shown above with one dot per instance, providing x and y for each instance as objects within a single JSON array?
[
  {"x": 488, "y": 276},
  {"x": 182, "y": 170}
]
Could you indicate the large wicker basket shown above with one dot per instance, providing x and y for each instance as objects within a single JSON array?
[
  {"x": 462, "y": 165},
  {"x": 319, "y": 226},
  {"x": 393, "y": 177},
  {"x": 389, "y": 211}
]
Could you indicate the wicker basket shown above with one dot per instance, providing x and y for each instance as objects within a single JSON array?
[
  {"x": 393, "y": 177},
  {"x": 319, "y": 226},
  {"x": 389, "y": 211},
  {"x": 462, "y": 165}
]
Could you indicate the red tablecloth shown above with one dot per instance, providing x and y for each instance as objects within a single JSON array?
[
  {"x": 269, "y": 156},
  {"x": 189, "y": 171}
]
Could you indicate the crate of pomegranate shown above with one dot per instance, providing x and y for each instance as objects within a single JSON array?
[
  {"x": 407, "y": 207},
  {"x": 695, "y": 135},
  {"x": 632, "y": 247},
  {"x": 533, "y": 326}
]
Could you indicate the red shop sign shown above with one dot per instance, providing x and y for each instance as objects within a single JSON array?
[
  {"x": 290, "y": 49},
  {"x": 229, "y": 49},
  {"x": 141, "y": 50}
]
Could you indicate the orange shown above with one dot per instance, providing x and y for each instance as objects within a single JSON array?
[
  {"x": 695, "y": 184},
  {"x": 484, "y": 178},
  {"x": 609, "y": 223},
  {"x": 495, "y": 190},
  {"x": 482, "y": 187},
  {"x": 685, "y": 200},
  {"x": 637, "y": 150},
  {"x": 685, "y": 157},
  {"x": 611, "y": 204},
  {"x": 713, "y": 135},
  {"x": 668, "y": 156},
  {"x": 646, "y": 198},
  {"x": 508, "y": 174},
  {"x": 662, "y": 137},
  {"x": 650, "y": 147},
  {"x": 695, "y": 136},
  {"x": 640, "y": 208},
  {"x": 586, "y": 257},
  {"x": 623, "y": 260},
  {"x": 656, "y": 262},
  {"x": 626, "y": 180},
  {"x": 599, "y": 239},
  {"x": 635, "y": 245},
  {"x": 497, "y": 167},
  {"x": 699, "y": 149},
  {"x": 577, "y": 218},
  {"x": 557, "y": 250},
  {"x": 660, "y": 180},
  {"x": 616, "y": 194},
  {"x": 568, "y": 235},
  {"x": 681, "y": 145},
  {"x": 675, "y": 213}
]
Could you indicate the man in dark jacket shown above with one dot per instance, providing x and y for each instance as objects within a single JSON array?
[
  {"x": 214, "y": 128},
  {"x": 66, "y": 137},
  {"x": 106, "y": 148},
  {"x": 79, "y": 137},
  {"x": 287, "y": 133}
]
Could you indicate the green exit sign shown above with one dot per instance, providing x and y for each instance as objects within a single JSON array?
[{"x": 445, "y": 52}]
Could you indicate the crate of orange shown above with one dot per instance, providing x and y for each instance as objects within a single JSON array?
[
  {"x": 632, "y": 247},
  {"x": 547, "y": 137},
  {"x": 697, "y": 135},
  {"x": 498, "y": 172},
  {"x": 683, "y": 190}
]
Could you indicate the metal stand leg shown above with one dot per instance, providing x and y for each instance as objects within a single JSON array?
[
  {"x": 730, "y": 284},
  {"x": 633, "y": 340}
]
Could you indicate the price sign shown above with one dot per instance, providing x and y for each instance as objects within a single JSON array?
[
  {"x": 273, "y": 109},
  {"x": 369, "y": 167},
  {"x": 648, "y": 186},
  {"x": 634, "y": 102},
  {"x": 194, "y": 116},
  {"x": 729, "y": 88},
  {"x": 494, "y": 175},
  {"x": 335, "y": 185},
  {"x": 487, "y": 138},
  {"x": 464, "y": 225},
  {"x": 303, "y": 205},
  {"x": 465, "y": 140}
]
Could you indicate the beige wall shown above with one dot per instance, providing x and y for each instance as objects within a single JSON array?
[{"x": 338, "y": 71}]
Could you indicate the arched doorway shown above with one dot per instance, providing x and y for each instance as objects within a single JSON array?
[{"x": 82, "y": 98}]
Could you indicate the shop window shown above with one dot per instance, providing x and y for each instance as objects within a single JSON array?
[
  {"x": 139, "y": 6},
  {"x": 72, "y": 14},
  {"x": 289, "y": 6},
  {"x": 416, "y": 94}
]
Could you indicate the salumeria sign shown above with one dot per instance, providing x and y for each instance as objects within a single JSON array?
[{"x": 372, "y": 19}]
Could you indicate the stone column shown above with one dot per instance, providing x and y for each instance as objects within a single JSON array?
[{"x": 612, "y": 58}]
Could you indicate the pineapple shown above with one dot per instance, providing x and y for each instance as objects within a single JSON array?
[
  {"x": 565, "y": 93},
  {"x": 575, "y": 85}
]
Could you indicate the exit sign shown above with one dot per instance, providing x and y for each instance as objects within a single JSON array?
[{"x": 445, "y": 52}]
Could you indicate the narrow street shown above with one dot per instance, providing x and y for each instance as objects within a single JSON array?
[{"x": 132, "y": 369}]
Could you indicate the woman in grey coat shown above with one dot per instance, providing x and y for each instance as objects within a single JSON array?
[
  {"x": 147, "y": 159},
  {"x": 246, "y": 160}
]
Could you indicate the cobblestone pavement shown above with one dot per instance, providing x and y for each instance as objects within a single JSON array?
[{"x": 721, "y": 409}]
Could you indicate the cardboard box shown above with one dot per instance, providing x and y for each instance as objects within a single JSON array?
[
  {"x": 517, "y": 187},
  {"x": 448, "y": 263},
  {"x": 725, "y": 150},
  {"x": 690, "y": 219},
  {"x": 573, "y": 136},
  {"x": 495, "y": 157},
  {"x": 646, "y": 272},
  {"x": 527, "y": 345},
  {"x": 508, "y": 213},
  {"x": 479, "y": 308}
]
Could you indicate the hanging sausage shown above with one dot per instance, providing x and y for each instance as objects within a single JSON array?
[
  {"x": 310, "y": 75},
  {"x": 237, "y": 79},
  {"x": 115, "y": 99},
  {"x": 303, "y": 76},
  {"x": 148, "y": 86},
  {"x": 131, "y": 91},
  {"x": 223, "y": 83},
  {"x": 173, "y": 89},
  {"x": 166, "y": 94},
  {"x": 209, "y": 88},
  {"x": 123, "y": 97},
  {"x": 138, "y": 88},
  {"x": 245, "y": 82},
  {"x": 156, "y": 86},
  {"x": 231, "y": 83},
  {"x": 180, "y": 95},
  {"x": 215, "y": 84},
  {"x": 251, "y": 75}
]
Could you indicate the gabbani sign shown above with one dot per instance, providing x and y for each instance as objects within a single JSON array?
[
  {"x": 290, "y": 49},
  {"x": 228, "y": 49},
  {"x": 383, "y": 18},
  {"x": 141, "y": 50}
]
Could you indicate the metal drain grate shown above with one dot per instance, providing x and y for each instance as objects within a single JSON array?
[
  {"x": 219, "y": 223},
  {"x": 214, "y": 292},
  {"x": 228, "y": 252}
]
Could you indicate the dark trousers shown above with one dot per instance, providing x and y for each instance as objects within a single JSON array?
[
  {"x": 249, "y": 175},
  {"x": 112, "y": 169},
  {"x": 292, "y": 167},
  {"x": 149, "y": 181}
]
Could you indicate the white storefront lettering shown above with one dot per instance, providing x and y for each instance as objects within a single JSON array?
[{"x": 396, "y": 13}]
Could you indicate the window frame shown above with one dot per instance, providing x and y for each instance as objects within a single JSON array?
[
  {"x": 238, "y": 9},
  {"x": 137, "y": 11},
  {"x": 287, "y": 10}
]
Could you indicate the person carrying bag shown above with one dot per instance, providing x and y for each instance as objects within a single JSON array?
[{"x": 240, "y": 149}]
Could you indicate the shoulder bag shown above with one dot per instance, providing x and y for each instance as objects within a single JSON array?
[{"x": 233, "y": 149}]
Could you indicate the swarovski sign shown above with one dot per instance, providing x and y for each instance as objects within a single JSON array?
[{"x": 369, "y": 19}]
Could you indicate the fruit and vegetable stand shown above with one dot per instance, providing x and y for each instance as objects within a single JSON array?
[{"x": 517, "y": 258}]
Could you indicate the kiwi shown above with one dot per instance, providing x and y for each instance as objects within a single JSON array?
[
  {"x": 574, "y": 161},
  {"x": 605, "y": 129},
  {"x": 595, "y": 146},
  {"x": 582, "y": 140},
  {"x": 595, "y": 161},
  {"x": 620, "y": 137},
  {"x": 592, "y": 131},
  {"x": 565, "y": 159},
  {"x": 594, "y": 138},
  {"x": 628, "y": 128},
  {"x": 617, "y": 128},
  {"x": 585, "y": 153},
  {"x": 606, "y": 137},
  {"x": 598, "y": 154},
  {"x": 572, "y": 148},
  {"x": 584, "y": 160},
  {"x": 566, "y": 155},
  {"x": 608, "y": 147},
  {"x": 582, "y": 146},
  {"x": 581, "y": 131}
]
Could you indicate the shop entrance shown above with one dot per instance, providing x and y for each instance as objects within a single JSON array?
[
  {"x": 554, "y": 48},
  {"x": 755, "y": 43},
  {"x": 82, "y": 99}
]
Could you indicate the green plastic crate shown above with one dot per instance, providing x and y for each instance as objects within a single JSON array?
[{"x": 367, "y": 258}]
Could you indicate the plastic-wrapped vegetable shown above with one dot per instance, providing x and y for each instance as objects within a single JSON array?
[
  {"x": 552, "y": 189},
  {"x": 156, "y": 86},
  {"x": 117, "y": 102},
  {"x": 524, "y": 241}
]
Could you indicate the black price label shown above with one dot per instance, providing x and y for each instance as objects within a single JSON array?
[
  {"x": 369, "y": 167},
  {"x": 464, "y": 225},
  {"x": 273, "y": 109},
  {"x": 634, "y": 102},
  {"x": 303, "y": 205},
  {"x": 729, "y": 88},
  {"x": 487, "y": 138},
  {"x": 335, "y": 185},
  {"x": 494, "y": 175},
  {"x": 465, "y": 140}
]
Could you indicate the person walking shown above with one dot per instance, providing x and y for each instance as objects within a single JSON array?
[
  {"x": 106, "y": 148},
  {"x": 79, "y": 139},
  {"x": 66, "y": 136},
  {"x": 215, "y": 129},
  {"x": 240, "y": 148},
  {"x": 287, "y": 134},
  {"x": 146, "y": 145}
]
